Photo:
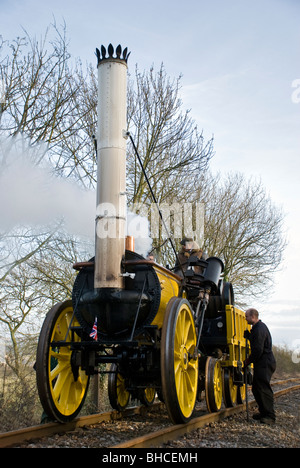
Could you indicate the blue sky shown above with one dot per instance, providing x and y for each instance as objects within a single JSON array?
[{"x": 239, "y": 60}]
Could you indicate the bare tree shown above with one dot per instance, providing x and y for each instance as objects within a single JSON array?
[
  {"x": 31, "y": 288},
  {"x": 171, "y": 148},
  {"x": 46, "y": 99},
  {"x": 49, "y": 98},
  {"x": 245, "y": 228}
]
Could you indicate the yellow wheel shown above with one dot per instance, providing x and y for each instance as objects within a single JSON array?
[
  {"x": 213, "y": 384},
  {"x": 147, "y": 396},
  {"x": 117, "y": 393},
  {"x": 229, "y": 389},
  {"x": 179, "y": 366},
  {"x": 62, "y": 386}
]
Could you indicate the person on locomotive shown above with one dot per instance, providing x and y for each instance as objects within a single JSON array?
[
  {"x": 264, "y": 363},
  {"x": 189, "y": 248}
]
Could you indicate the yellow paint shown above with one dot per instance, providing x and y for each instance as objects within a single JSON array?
[
  {"x": 169, "y": 288},
  {"x": 66, "y": 393},
  {"x": 185, "y": 367},
  {"x": 236, "y": 324}
]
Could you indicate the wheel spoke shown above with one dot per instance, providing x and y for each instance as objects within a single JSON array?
[
  {"x": 183, "y": 383},
  {"x": 62, "y": 391},
  {"x": 59, "y": 368},
  {"x": 59, "y": 384}
]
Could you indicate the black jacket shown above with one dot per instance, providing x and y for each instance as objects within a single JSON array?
[{"x": 261, "y": 345}]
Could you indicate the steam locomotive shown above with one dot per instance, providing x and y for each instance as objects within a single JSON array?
[{"x": 153, "y": 330}]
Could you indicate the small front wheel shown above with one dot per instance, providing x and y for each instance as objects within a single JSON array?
[
  {"x": 229, "y": 389},
  {"x": 117, "y": 393},
  {"x": 213, "y": 384},
  {"x": 147, "y": 396}
]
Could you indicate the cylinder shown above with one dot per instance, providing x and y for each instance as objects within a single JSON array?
[
  {"x": 213, "y": 271},
  {"x": 111, "y": 169}
]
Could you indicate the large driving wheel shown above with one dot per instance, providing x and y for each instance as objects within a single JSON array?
[
  {"x": 179, "y": 366},
  {"x": 213, "y": 384},
  {"x": 62, "y": 386}
]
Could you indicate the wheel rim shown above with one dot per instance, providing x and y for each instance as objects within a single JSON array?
[
  {"x": 179, "y": 368},
  {"x": 186, "y": 373},
  {"x": 67, "y": 393},
  {"x": 213, "y": 384},
  {"x": 62, "y": 390}
]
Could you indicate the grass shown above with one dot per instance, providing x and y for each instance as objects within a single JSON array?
[{"x": 285, "y": 367}]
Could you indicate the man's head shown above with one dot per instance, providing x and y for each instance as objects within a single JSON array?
[
  {"x": 252, "y": 316},
  {"x": 187, "y": 243}
]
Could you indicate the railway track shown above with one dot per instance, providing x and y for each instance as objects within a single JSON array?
[
  {"x": 155, "y": 438},
  {"x": 7, "y": 439},
  {"x": 173, "y": 432}
]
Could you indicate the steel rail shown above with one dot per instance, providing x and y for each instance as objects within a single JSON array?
[
  {"x": 7, "y": 439},
  {"x": 174, "y": 432}
]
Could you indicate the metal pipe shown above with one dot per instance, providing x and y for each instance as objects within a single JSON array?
[
  {"x": 129, "y": 243},
  {"x": 111, "y": 169}
]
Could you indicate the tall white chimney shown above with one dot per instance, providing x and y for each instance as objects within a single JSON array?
[{"x": 111, "y": 177}]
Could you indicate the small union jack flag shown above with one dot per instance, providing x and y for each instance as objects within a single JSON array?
[{"x": 94, "y": 332}]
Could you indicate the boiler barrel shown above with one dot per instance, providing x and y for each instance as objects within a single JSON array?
[{"x": 169, "y": 285}]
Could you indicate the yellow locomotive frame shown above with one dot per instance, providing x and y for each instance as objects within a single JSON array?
[{"x": 236, "y": 324}]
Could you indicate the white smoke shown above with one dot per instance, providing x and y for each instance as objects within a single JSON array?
[
  {"x": 30, "y": 193},
  {"x": 138, "y": 227}
]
